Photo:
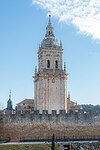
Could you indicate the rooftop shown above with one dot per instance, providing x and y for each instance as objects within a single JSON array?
[{"x": 27, "y": 101}]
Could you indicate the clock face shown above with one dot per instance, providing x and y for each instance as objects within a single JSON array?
[{"x": 53, "y": 80}]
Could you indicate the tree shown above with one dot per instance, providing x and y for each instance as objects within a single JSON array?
[{"x": 53, "y": 142}]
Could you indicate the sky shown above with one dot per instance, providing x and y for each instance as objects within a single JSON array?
[{"x": 22, "y": 28}]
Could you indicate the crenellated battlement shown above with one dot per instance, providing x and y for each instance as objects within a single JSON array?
[{"x": 62, "y": 117}]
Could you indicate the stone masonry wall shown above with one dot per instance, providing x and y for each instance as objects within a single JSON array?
[
  {"x": 62, "y": 117},
  {"x": 37, "y": 125}
]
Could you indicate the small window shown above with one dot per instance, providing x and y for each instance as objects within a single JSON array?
[
  {"x": 48, "y": 63},
  {"x": 56, "y": 64}
]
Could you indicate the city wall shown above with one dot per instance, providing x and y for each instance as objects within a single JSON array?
[
  {"x": 37, "y": 125},
  {"x": 62, "y": 117}
]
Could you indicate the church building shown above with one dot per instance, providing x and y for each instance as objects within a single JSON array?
[{"x": 50, "y": 80}]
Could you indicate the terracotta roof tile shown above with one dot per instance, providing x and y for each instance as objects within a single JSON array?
[{"x": 27, "y": 101}]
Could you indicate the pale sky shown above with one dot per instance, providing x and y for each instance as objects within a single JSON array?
[{"x": 22, "y": 28}]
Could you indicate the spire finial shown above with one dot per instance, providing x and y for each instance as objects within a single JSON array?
[
  {"x": 64, "y": 66},
  {"x": 60, "y": 43},
  {"x": 10, "y": 94},
  {"x": 35, "y": 69},
  {"x": 9, "y": 102},
  {"x": 49, "y": 17}
]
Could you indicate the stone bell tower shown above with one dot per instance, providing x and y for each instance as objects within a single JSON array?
[{"x": 50, "y": 80}]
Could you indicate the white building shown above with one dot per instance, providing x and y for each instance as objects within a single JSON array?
[
  {"x": 50, "y": 81},
  {"x": 27, "y": 104}
]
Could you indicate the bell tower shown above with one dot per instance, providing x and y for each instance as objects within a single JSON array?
[{"x": 50, "y": 80}]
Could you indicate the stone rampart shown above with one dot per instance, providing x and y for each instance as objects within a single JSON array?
[
  {"x": 62, "y": 117},
  {"x": 33, "y": 124}
]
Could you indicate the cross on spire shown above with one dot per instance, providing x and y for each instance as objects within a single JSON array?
[
  {"x": 49, "y": 17},
  {"x": 9, "y": 94}
]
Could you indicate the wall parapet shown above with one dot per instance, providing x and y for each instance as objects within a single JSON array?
[{"x": 62, "y": 117}]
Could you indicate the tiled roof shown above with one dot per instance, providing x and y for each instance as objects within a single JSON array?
[{"x": 27, "y": 101}]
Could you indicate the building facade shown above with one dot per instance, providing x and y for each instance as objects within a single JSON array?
[{"x": 50, "y": 80}]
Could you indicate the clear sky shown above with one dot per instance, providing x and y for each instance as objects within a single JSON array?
[{"x": 22, "y": 28}]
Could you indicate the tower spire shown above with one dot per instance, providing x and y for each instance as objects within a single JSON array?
[
  {"x": 49, "y": 40},
  {"x": 64, "y": 66},
  {"x": 9, "y": 102},
  {"x": 49, "y": 29}
]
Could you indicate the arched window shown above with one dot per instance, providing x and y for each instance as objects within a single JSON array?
[
  {"x": 56, "y": 64},
  {"x": 49, "y": 32},
  {"x": 48, "y": 63}
]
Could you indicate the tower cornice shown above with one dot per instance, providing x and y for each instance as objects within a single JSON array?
[{"x": 50, "y": 75}]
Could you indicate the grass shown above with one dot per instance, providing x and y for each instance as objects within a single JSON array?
[{"x": 27, "y": 147}]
